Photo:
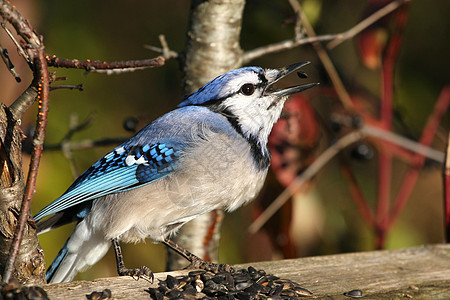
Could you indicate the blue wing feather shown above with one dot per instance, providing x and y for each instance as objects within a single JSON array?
[
  {"x": 151, "y": 154},
  {"x": 124, "y": 168}
]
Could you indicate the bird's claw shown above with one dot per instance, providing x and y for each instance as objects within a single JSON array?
[
  {"x": 210, "y": 266},
  {"x": 142, "y": 272}
]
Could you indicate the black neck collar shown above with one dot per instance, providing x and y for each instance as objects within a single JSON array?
[{"x": 260, "y": 153}]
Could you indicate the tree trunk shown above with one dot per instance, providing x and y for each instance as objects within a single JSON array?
[
  {"x": 29, "y": 265},
  {"x": 212, "y": 48}
]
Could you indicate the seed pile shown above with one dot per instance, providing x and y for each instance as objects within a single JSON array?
[
  {"x": 14, "y": 290},
  {"x": 241, "y": 284},
  {"x": 103, "y": 295}
]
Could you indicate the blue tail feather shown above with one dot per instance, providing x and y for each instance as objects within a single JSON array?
[{"x": 51, "y": 271}]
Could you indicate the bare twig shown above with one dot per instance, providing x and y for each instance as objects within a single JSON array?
[
  {"x": 24, "y": 30},
  {"x": 386, "y": 114},
  {"x": 309, "y": 173},
  {"x": 164, "y": 50},
  {"x": 216, "y": 219},
  {"x": 388, "y": 136},
  {"x": 357, "y": 195},
  {"x": 66, "y": 145},
  {"x": 298, "y": 22},
  {"x": 38, "y": 143},
  {"x": 9, "y": 64},
  {"x": 365, "y": 131},
  {"x": 428, "y": 133},
  {"x": 18, "y": 46},
  {"x": 79, "y": 87},
  {"x": 86, "y": 144},
  {"x": 119, "y": 70},
  {"x": 283, "y": 46},
  {"x": 9, "y": 13},
  {"x": 339, "y": 38},
  {"x": 105, "y": 67},
  {"x": 74, "y": 127},
  {"x": 383, "y": 196},
  {"x": 326, "y": 61}
]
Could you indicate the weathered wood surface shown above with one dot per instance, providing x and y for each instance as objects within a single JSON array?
[{"x": 412, "y": 273}]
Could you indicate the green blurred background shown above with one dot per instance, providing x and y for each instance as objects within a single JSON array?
[{"x": 326, "y": 220}]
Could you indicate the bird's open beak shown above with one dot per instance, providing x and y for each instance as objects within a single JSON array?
[{"x": 283, "y": 72}]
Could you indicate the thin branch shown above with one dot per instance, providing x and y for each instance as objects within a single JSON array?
[
  {"x": 216, "y": 219},
  {"x": 171, "y": 54},
  {"x": 383, "y": 196},
  {"x": 325, "y": 59},
  {"x": 79, "y": 87},
  {"x": 334, "y": 38},
  {"x": 119, "y": 70},
  {"x": 298, "y": 23},
  {"x": 18, "y": 46},
  {"x": 357, "y": 195},
  {"x": 38, "y": 143},
  {"x": 66, "y": 145},
  {"x": 428, "y": 133},
  {"x": 401, "y": 147},
  {"x": 413, "y": 146},
  {"x": 164, "y": 50},
  {"x": 86, "y": 144},
  {"x": 285, "y": 45},
  {"x": 327, "y": 155},
  {"x": 22, "y": 26},
  {"x": 339, "y": 38},
  {"x": 105, "y": 67},
  {"x": 74, "y": 127},
  {"x": 9, "y": 64},
  {"x": 303, "y": 178},
  {"x": 386, "y": 114},
  {"x": 9, "y": 13}
]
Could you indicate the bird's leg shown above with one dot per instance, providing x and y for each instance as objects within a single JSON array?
[
  {"x": 122, "y": 270},
  {"x": 197, "y": 262}
]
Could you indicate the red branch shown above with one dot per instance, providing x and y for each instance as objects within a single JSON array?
[
  {"x": 38, "y": 141},
  {"x": 385, "y": 157},
  {"x": 92, "y": 65},
  {"x": 215, "y": 219},
  {"x": 440, "y": 108},
  {"x": 357, "y": 195}
]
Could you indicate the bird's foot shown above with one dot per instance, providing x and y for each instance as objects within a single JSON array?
[
  {"x": 142, "y": 272},
  {"x": 198, "y": 263}
]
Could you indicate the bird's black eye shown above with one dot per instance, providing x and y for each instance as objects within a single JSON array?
[{"x": 248, "y": 89}]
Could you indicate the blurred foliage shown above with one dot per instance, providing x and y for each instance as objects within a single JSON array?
[{"x": 117, "y": 30}]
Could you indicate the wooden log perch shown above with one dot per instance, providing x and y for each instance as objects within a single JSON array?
[{"x": 417, "y": 273}]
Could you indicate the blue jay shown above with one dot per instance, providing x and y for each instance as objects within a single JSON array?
[{"x": 210, "y": 153}]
